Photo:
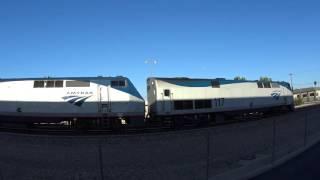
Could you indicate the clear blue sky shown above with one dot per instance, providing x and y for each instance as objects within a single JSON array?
[{"x": 198, "y": 38}]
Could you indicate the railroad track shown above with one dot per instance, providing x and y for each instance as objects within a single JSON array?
[{"x": 65, "y": 130}]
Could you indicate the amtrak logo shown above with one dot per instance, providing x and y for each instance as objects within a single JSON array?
[
  {"x": 76, "y": 100},
  {"x": 276, "y": 95}
]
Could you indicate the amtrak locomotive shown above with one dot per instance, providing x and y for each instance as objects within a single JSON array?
[
  {"x": 110, "y": 99},
  {"x": 171, "y": 98},
  {"x": 115, "y": 100}
]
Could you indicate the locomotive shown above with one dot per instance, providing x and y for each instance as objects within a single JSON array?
[
  {"x": 182, "y": 98},
  {"x": 74, "y": 99}
]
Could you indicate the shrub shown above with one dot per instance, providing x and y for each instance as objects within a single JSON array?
[{"x": 298, "y": 101}]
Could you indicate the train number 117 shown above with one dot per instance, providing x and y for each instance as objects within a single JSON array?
[{"x": 219, "y": 102}]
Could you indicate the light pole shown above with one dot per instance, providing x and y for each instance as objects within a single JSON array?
[
  {"x": 291, "y": 76},
  {"x": 152, "y": 63},
  {"x": 315, "y": 90}
]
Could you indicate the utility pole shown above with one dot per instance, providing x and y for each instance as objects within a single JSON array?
[
  {"x": 315, "y": 90},
  {"x": 291, "y": 76}
]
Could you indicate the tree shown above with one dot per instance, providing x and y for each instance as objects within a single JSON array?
[
  {"x": 265, "y": 79},
  {"x": 240, "y": 78}
]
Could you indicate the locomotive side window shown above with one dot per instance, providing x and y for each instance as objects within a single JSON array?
[
  {"x": 166, "y": 92},
  {"x": 47, "y": 84},
  {"x": 50, "y": 84},
  {"x": 215, "y": 84},
  {"x": 267, "y": 85},
  {"x": 183, "y": 105},
  {"x": 58, "y": 84},
  {"x": 203, "y": 104},
  {"x": 260, "y": 84},
  {"x": 77, "y": 84},
  {"x": 118, "y": 83},
  {"x": 114, "y": 83},
  {"x": 38, "y": 84},
  {"x": 122, "y": 83}
]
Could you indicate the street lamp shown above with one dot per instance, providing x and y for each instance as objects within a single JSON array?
[
  {"x": 291, "y": 76},
  {"x": 315, "y": 90}
]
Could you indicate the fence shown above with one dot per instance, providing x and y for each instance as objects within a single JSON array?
[{"x": 195, "y": 154}]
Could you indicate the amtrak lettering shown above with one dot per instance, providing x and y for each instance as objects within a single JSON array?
[{"x": 79, "y": 93}]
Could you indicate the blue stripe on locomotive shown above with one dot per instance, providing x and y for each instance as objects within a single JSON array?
[{"x": 208, "y": 82}]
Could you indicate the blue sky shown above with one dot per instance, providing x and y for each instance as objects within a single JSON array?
[{"x": 189, "y": 38}]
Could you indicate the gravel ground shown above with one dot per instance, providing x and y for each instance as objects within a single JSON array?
[{"x": 174, "y": 155}]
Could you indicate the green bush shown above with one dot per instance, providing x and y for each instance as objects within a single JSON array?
[
  {"x": 265, "y": 79},
  {"x": 240, "y": 78},
  {"x": 298, "y": 101}
]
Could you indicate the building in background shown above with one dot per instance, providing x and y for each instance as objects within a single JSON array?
[{"x": 307, "y": 94}]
